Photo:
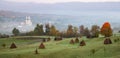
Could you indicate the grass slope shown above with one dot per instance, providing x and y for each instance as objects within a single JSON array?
[{"x": 60, "y": 49}]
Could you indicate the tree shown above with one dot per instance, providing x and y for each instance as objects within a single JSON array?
[
  {"x": 95, "y": 31},
  {"x": 75, "y": 31},
  {"x": 87, "y": 33},
  {"x": 39, "y": 30},
  {"x": 53, "y": 31},
  {"x": 47, "y": 29},
  {"x": 15, "y": 32},
  {"x": 70, "y": 32},
  {"x": 106, "y": 29},
  {"x": 82, "y": 30}
]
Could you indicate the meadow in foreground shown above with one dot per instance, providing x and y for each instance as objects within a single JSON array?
[{"x": 94, "y": 48}]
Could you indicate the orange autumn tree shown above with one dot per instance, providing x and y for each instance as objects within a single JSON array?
[{"x": 106, "y": 29}]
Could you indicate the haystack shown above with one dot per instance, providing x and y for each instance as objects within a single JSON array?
[
  {"x": 77, "y": 40},
  {"x": 36, "y": 51},
  {"x": 107, "y": 41},
  {"x": 42, "y": 46},
  {"x": 82, "y": 43},
  {"x": 72, "y": 41},
  {"x": 13, "y": 46}
]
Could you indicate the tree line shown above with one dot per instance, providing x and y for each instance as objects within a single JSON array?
[{"x": 71, "y": 31}]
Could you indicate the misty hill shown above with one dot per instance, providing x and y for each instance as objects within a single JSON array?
[{"x": 10, "y": 19}]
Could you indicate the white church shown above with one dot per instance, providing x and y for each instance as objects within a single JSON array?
[{"x": 27, "y": 21}]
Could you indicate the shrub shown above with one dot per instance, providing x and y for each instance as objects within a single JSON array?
[
  {"x": 93, "y": 51},
  {"x": 4, "y": 45},
  {"x": 115, "y": 40}
]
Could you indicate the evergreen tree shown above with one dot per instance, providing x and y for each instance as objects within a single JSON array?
[
  {"x": 47, "y": 29},
  {"x": 15, "y": 32},
  {"x": 39, "y": 30}
]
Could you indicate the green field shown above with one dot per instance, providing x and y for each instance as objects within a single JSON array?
[{"x": 60, "y": 49}]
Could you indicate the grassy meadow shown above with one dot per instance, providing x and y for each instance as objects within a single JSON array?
[{"x": 60, "y": 49}]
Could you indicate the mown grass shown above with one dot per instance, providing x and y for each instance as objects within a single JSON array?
[{"x": 60, "y": 49}]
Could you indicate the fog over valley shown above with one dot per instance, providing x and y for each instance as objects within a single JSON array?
[{"x": 25, "y": 16}]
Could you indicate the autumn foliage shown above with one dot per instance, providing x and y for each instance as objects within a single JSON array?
[{"x": 106, "y": 29}]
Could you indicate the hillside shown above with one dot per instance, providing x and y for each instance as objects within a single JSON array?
[
  {"x": 11, "y": 19},
  {"x": 61, "y": 49}
]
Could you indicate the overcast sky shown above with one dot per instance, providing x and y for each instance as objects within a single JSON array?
[{"x": 60, "y": 1}]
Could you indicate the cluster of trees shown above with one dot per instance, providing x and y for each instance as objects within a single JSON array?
[
  {"x": 94, "y": 32},
  {"x": 3, "y": 36},
  {"x": 70, "y": 32}
]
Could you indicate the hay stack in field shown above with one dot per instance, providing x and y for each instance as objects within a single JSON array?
[
  {"x": 72, "y": 41},
  {"x": 44, "y": 39},
  {"x": 13, "y": 46},
  {"x": 36, "y": 51},
  {"x": 107, "y": 41},
  {"x": 82, "y": 43},
  {"x": 49, "y": 39},
  {"x": 42, "y": 46},
  {"x": 77, "y": 40}
]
